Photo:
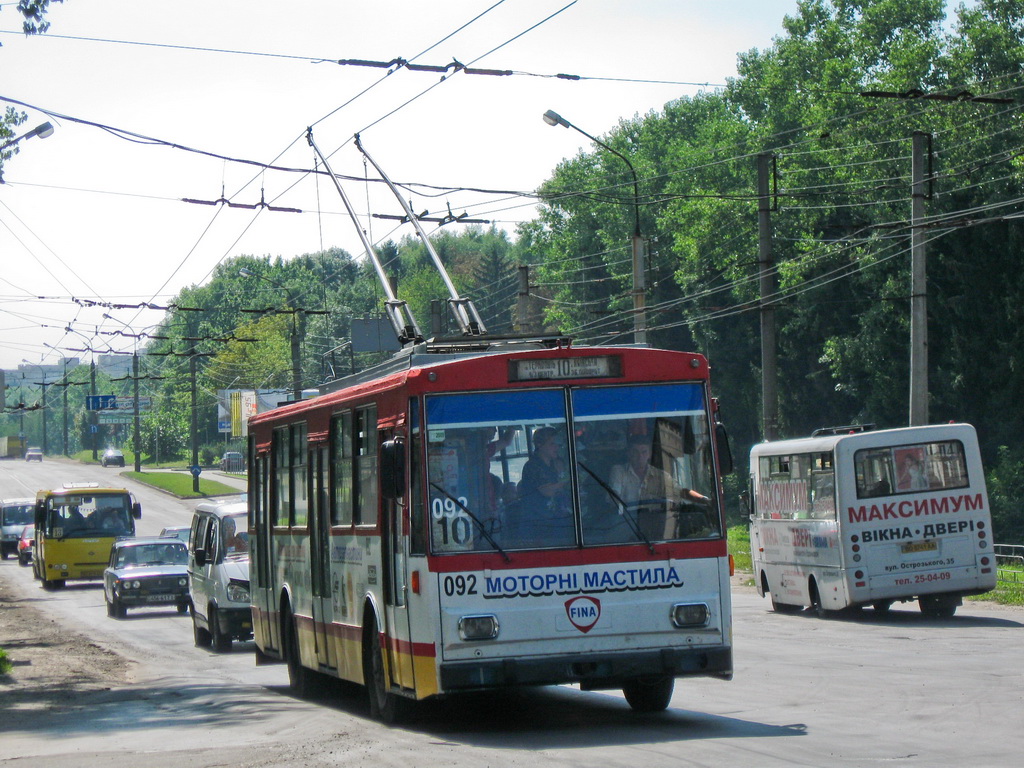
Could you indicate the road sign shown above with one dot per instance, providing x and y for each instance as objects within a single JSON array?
[
  {"x": 115, "y": 418},
  {"x": 122, "y": 403},
  {"x": 100, "y": 402}
]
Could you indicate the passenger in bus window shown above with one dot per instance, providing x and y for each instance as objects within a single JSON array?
[
  {"x": 544, "y": 506},
  {"x": 648, "y": 490}
]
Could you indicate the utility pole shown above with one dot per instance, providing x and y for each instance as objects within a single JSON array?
[
  {"x": 523, "y": 300},
  {"x": 766, "y": 272},
  {"x": 66, "y": 448},
  {"x": 93, "y": 430},
  {"x": 195, "y": 421},
  {"x": 137, "y": 443},
  {"x": 918, "y": 285}
]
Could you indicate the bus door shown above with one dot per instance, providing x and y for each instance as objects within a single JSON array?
[
  {"x": 320, "y": 556},
  {"x": 395, "y": 551},
  {"x": 264, "y": 598}
]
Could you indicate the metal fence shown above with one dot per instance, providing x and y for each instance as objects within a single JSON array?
[{"x": 1009, "y": 562}]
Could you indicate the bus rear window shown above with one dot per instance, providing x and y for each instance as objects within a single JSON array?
[{"x": 914, "y": 468}]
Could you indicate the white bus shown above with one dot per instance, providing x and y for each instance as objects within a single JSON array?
[{"x": 852, "y": 517}]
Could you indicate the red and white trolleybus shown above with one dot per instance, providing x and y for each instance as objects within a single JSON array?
[{"x": 462, "y": 520}]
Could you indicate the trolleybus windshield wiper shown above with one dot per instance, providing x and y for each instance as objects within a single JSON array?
[
  {"x": 475, "y": 519},
  {"x": 632, "y": 521}
]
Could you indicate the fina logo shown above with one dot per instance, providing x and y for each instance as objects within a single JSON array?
[{"x": 583, "y": 612}]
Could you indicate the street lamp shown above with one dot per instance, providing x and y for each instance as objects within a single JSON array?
[
  {"x": 43, "y": 131},
  {"x": 296, "y": 353},
  {"x": 639, "y": 298}
]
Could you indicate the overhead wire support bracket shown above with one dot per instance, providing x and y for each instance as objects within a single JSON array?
[
  {"x": 398, "y": 312},
  {"x": 463, "y": 310}
]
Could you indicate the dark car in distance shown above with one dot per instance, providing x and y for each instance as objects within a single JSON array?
[
  {"x": 148, "y": 572},
  {"x": 112, "y": 457},
  {"x": 232, "y": 461}
]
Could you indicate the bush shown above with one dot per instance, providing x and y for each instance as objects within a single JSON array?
[{"x": 1006, "y": 496}]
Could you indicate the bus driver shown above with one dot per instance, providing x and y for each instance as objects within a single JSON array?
[{"x": 647, "y": 489}]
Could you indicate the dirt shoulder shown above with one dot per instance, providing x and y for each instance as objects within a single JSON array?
[{"x": 55, "y": 670}]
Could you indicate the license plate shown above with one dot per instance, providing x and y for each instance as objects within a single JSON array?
[
  {"x": 161, "y": 598},
  {"x": 920, "y": 546}
]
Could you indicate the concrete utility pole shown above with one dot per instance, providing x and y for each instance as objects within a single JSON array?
[
  {"x": 766, "y": 271},
  {"x": 918, "y": 285},
  {"x": 137, "y": 442}
]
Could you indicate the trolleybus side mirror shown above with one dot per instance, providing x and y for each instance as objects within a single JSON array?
[
  {"x": 725, "y": 464},
  {"x": 392, "y": 468},
  {"x": 40, "y": 514}
]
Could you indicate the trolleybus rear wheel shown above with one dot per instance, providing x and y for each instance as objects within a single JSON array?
[
  {"x": 301, "y": 680},
  {"x": 384, "y": 705},
  {"x": 649, "y": 694}
]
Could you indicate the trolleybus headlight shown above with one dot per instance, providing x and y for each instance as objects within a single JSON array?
[
  {"x": 478, "y": 627},
  {"x": 690, "y": 615}
]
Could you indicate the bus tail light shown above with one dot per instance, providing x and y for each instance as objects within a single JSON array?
[
  {"x": 732, "y": 565},
  {"x": 478, "y": 627},
  {"x": 414, "y": 582},
  {"x": 690, "y": 615}
]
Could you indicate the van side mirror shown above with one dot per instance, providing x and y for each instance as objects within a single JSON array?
[
  {"x": 137, "y": 511},
  {"x": 725, "y": 464},
  {"x": 392, "y": 468},
  {"x": 200, "y": 557}
]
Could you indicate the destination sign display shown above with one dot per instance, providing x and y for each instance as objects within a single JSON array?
[{"x": 556, "y": 368}]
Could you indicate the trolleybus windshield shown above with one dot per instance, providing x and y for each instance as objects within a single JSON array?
[{"x": 556, "y": 468}]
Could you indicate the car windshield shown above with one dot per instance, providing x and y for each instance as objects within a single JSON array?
[
  {"x": 84, "y": 516},
  {"x": 143, "y": 555},
  {"x": 18, "y": 514}
]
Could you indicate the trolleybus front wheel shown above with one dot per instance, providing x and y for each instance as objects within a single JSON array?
[{"x": 649, "y": 694}]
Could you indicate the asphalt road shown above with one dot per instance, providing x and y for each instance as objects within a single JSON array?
[{"x": 866, "y": 690}]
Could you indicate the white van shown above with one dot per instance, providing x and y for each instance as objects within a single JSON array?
[
  {"x": 15, "y": 514},
  {"x": 218, "y": 570}
]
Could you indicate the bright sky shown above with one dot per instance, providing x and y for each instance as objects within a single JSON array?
[{"x": 89, "y": 216}]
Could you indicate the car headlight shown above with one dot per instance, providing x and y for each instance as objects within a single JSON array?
[
  {"x": 478, "y": 627},
  {"x": 183, "y": 582},
  {"x": 238, "y": 593},
  {"x": 690, "y": 615}
]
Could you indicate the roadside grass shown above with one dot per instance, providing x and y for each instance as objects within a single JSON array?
[
  {"x": 1009, "y": 588},
  {"x": 738, "y": 537},
  {"x": 5, "y": 663},
  {"x": 180, "y": 484}
]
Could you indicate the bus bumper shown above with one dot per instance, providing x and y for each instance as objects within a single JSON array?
[{"x": 591, "y": 671}]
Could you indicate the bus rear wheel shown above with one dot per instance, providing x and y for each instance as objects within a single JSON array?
[
  {"x": 649, "y": 694},
  {"x": 51, "y": 585},
  {"x": 938, "y": 606}
]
